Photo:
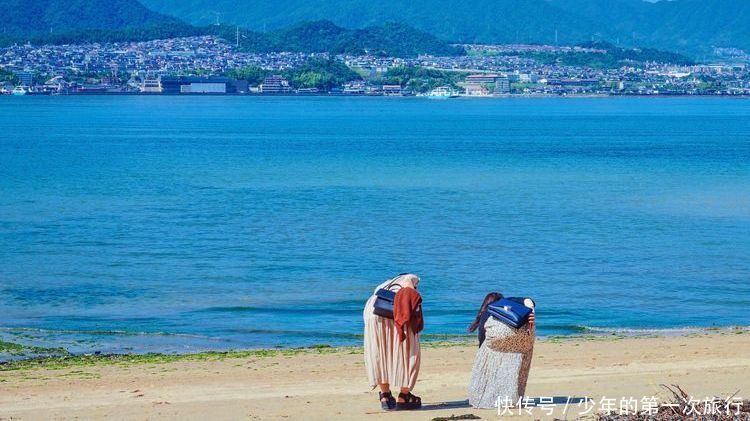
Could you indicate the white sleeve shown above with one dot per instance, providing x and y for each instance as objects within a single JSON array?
[{"x": 528, "y": 302}]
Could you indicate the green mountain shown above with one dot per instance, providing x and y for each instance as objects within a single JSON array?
[
  {"x": 59, "y": 22},
  {"x": 35, "y": 18},
  {"x": 393, "y": 39},
  {"x": 614, "y": 57},
  {"x": 454, "y": 20},
  {"x": 693, "y": 26},
  {"x": 398, "y": 27}
]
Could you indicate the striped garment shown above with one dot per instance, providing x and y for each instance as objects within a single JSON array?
[{"x": 387, "y": 360}]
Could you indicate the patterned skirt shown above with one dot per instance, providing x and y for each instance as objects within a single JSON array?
[{"x": 501, "y": 366}]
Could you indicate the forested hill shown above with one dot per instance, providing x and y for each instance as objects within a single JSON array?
[
  {"x": 392, "y": 39},
  {"x": 393, "y": 27},
  {"x": 693, "y": 26},
  {"x": 34, "y": 18}
]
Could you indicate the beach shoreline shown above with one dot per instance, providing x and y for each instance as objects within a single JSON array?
[
  {"x": 320, "y": 382},
  {"x": 22, "y": 351}
]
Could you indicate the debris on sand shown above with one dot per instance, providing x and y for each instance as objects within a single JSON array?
[{"x": 685, "y": 407}]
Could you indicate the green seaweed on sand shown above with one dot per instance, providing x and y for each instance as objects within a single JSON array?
[
  {"x": 19, "y": 350},
  {"x": 11, "y": 348},
  {"x": 66, "y": 361}
]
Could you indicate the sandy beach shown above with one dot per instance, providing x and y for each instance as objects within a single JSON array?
[{"x": 325, "y": 383}]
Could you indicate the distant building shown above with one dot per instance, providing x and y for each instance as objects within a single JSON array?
[
  {"x": 485, "y": 84},
  {"x": 476, "y": 89},
  {"x": 482, "y": 78},
  {"x": 197, "y": 85},
  {"x": 574, "y": 82},
  {"x": 204, "y": 88},
  {"x": 354, "y": 88},
  {"x": 392, "y": 90},
  {"x": 25, "y": 78},
  {"x": 275, "y": 84},
  {"x": 91, "y": 89},
  {"x": 502, "y": 85},
  {"x": 151, "y": 86},
  {"x": 241, "y": 86}
]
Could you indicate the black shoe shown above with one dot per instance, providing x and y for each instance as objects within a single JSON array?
[
  {"x": 410, "y": 402},
  {"x": 389, "y": 404}
]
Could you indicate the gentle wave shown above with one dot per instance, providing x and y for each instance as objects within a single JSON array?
[
  {"x": 291, "y": 310},
  {"x": 568, "y": 329},
  {"x": 275, "y": 332},
  {"x": 676, "y": 331},
  {"x": 352, "y": 306},
  {"x": 100, "y": 332},
  {"x": 301, "y": 333}
]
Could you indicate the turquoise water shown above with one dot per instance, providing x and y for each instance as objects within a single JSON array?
[{"x": 186, "y": 223}]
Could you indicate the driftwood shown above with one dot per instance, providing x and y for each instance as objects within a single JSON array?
[
  {"x": 683, "y": 407},
  {"x": 457, "y": 417}
]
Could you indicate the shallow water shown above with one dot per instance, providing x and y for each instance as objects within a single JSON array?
[{"x": 188, "y": 223}]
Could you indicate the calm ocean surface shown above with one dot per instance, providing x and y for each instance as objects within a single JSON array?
[{"x": 187, "y": 223}]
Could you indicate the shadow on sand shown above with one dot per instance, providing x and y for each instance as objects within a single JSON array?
[
  {"x": 446, "y": 405},
  {"x": 531, "y": 402}
]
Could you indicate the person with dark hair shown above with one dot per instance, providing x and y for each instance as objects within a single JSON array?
[
  {"x": 502, "y": 364},
  {"x": 483, "y": 315}
]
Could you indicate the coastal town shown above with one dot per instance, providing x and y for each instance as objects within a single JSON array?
[{"x": 212, "y": 65}]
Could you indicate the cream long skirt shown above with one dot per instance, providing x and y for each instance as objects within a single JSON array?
[{"x": 387, "y": 360}]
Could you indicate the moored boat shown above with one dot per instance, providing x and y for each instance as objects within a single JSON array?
[
  {"x": 442, "y": 92},
  {"x": 20, "y": 90}
]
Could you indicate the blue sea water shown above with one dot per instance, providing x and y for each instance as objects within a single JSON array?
[{"x": 179, "y": 224}]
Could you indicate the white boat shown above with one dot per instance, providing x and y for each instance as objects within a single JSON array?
[
  {"x": 20, "y": 90},
  {"x": 442, "y": 92}
]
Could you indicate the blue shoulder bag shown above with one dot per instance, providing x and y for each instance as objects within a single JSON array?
[
  {"x": 510, "y": 312},
  {"x": 383, "y": 305}
]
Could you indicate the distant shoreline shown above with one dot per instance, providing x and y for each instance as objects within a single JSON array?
[
  {"x": 39, "y": 356},
  {"x": 341, "y": 95}
]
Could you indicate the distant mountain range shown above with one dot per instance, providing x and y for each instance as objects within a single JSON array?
[
  {"x": 31, "y": 18},
  {"x": 401, "y": 27},
  {"x": 692, "y": 26},
  {"x": 76, "y": 21}
]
